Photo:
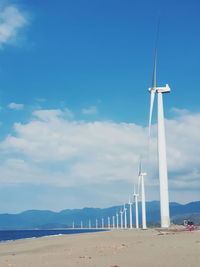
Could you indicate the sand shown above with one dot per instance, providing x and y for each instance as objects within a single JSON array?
[{"x": 116, "y": 248}]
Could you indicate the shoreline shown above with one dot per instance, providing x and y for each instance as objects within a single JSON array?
[{"x": 48, "y": 233}]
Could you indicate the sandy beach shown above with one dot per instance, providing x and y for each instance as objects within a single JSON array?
[{"x": 116, "y": 248}]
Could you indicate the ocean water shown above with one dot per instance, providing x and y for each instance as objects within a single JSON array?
[{"x": 6, "y": 235}]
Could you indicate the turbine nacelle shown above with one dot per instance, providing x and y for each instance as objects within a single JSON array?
[{"x": 164, "y": 89}]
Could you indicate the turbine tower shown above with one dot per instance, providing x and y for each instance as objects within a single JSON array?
[
  {"x": 113, "y": 222},
  {"x": 162, "y": 159},
  {"x": 130, "y": 212},
  {"x": 102, "y": 223},
  {"x": 121, "y": 217},
  {"x": 109, "y": 222},
  {"x": 125, "y": 217},
  {"x": 135, "y": 195},
  {"x": 141, "y": 180},
  {"x": 117, "y": 216}
]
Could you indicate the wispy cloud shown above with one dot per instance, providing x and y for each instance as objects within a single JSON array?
[
  {"x": 12, "y": 20},
  {"x": 179, "y": 112},
  {"x": 42, "y": 100},
  {"x": 53, "y": 114},
  {"x": 15, "y": 106},
  {"x": 90, "y": 111}
]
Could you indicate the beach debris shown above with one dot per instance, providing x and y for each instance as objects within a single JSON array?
[{"x": 85, "y": 257}]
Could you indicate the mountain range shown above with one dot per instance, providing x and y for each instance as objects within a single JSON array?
[{"x": 46, "y": 219}]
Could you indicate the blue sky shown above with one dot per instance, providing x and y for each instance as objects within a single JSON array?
[{"x": 74, "y": 77}]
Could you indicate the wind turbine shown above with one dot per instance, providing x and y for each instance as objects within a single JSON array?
[
  {"x": 141, "y": 180},
  {"x": 109, "y": 222},
  {"x": 121, "y": 217},
  {"x": 125, "y": 217},
  {"x": 130, "y": 212},
  {"x": 113, "y": 221},
  {"x": 117, "y": 216},
  {"x": 102, "y": 223},
  {"x": 135, "y": 195},
  {"x": 162, "y": 159}
]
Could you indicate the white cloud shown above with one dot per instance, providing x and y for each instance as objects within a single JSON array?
[
  {"x": 90, "y": 111},
  {"x": 42, "y": 100},
  {"x": 179, "y": 112},
  {"x": 53, "y": 114},
  {"x": 53, "y": 150},
  {"x": 12, "y": 20},
  {"x": 16, "y": 106},
  {"x": 47, "y": 115}
]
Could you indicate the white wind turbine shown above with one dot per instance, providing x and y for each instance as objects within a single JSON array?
[
  {"x": 130, "y": 212},
  {"x": 125, "y": 216},
  {"x": 113, "y": 222},
  {"x": 117, "y": 217},
  {"x": 109, "y": 222},
  {"x": 121, "y": 219},
  {"x": 102, "y": 223},
  {"x": 163, "y": 177},
  {"x": 135, "y": 195},
  {"x": 141, "y": 181}
]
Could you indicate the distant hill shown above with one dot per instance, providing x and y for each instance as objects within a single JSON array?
[{"x": 45, "y": 219}]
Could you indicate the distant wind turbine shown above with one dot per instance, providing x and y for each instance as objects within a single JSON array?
[
  {"x": 113, "y": 221},
  {"x": 141, "y": 180},
  {"x": 102, "y": 223},
  {"x": 121, "y": 219},
  {"x": 130, "y": 212},
  {"x": 135, "y": 195},
  {"x": 117, "y": 217},
  {"x": 125, "y": 217},
  {"x": 108, "y": 222}
]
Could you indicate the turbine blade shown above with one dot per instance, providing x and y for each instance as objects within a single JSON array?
[
  {"x": 153, "y": 88},
  {"x": 154, "y": 73},
  {"x": 155, "y": 57},
  {"x": 140, "y": 167},
  {"x": 139, "y": 181},
  {"x": 151, "y": 109}
]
